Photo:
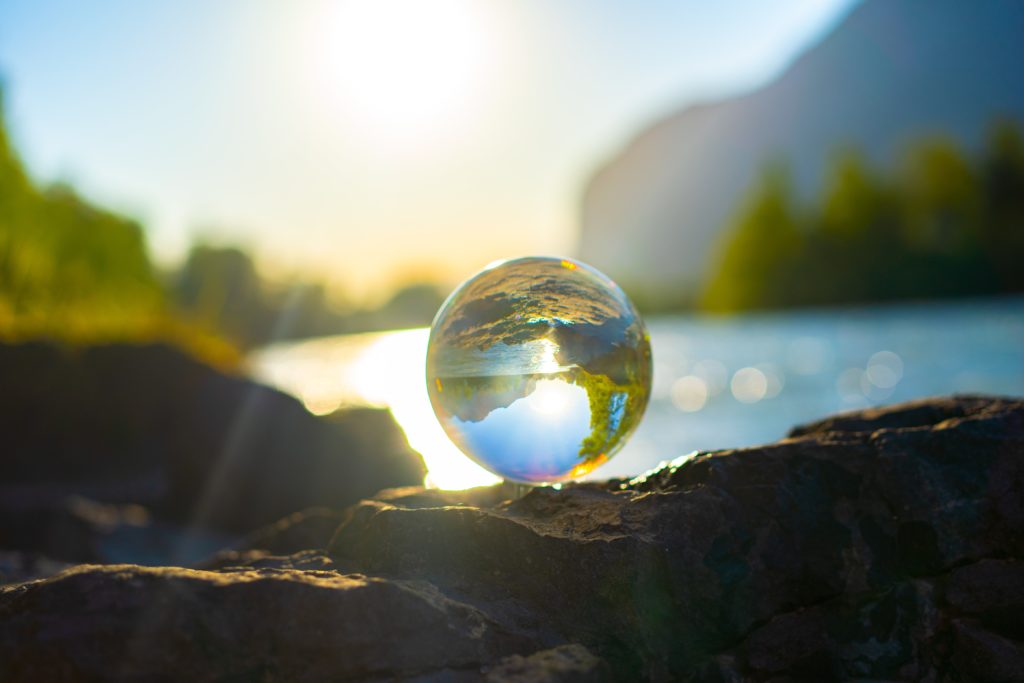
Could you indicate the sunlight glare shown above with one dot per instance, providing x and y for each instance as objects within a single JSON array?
[
  {"x": 552, "y": 398},
  {"x": 390, "y": 372},
  {"x": 546, "y": 358},
  {"x": 407, "y": 66}
]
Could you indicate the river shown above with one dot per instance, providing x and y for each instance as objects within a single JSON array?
[{"x": 719, "y": 382}]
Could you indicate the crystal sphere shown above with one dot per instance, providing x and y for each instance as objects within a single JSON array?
[{"x": 539, "y": 368}]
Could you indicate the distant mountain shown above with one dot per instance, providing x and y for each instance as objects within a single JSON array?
[{"x": 891, "y": 72}]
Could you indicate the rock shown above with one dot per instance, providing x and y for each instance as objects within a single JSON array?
[
  {"x": 67, "y": 528},
  {"x": 981, "y": 655},
  {"x": 16, "y": 567},
  {"x": 564, "y": 664},
  {"x": 150, "y": 426},
  {"x": 855, "y": 551},
  {"x": 922, "y": 413},
  {"x": 993, "y": 591},
  {"x": 75, "y": 529},
  {"x": 840, "y": 535},
  {"x": 303, "y": 530},
  {"x": 121, "y": 622}
]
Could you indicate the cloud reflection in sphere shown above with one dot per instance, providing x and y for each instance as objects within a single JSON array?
[{"x": 539, "y": 369}]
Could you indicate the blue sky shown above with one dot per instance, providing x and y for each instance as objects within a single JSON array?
[{"x": 366, "y": 142}]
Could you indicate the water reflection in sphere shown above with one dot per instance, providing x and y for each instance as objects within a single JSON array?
[{"x": 539, "y": 369}]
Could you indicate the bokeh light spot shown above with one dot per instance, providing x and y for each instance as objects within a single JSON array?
[{"x": 749, "y": 385}]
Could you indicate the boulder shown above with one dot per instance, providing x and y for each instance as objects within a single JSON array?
[
  {"x": 75, "y": 529},
  {"x": 124, "y": 622},
  {"x": 882, "y": 545},
  {"x": 200, "y": 448}
]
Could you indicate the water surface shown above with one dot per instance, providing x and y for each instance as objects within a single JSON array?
[{"x": 719, "y": 382}]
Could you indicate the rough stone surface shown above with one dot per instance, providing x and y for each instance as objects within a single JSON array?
[
  {"x": 148, "y": 425},
  {"x": 563, "y": 664},
  {"x": 882, "y": 545},
  {"x": 130, "y": 622},
  {"x": 921, "y": 413},
  {"x": 307, "y": 529}
]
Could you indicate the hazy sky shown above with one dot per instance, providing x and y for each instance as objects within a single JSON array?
[{"x": 369, "y": 140}]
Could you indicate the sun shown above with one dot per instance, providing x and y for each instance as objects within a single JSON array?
[
  {"x": 552, "y": 398},
  {"x": 399, "y": 67}
]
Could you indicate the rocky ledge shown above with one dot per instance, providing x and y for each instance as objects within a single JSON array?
[{"x": 886, "y": 544}]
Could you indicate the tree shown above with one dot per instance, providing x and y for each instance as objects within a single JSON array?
[
  {"x": 220, "y": 288},
  {"x": 759, "y": 265},
  {"x": 63, "y": 258},
  {"x": 1002, "y": 226},
  {"x": 943, "y": 225}
]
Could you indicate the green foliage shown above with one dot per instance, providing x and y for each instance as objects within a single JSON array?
[
  {"x": 64, "y": 261},
  {"x": 220, "y": 288},
  {"x": 627, "y": 399},
  {"x": 413, "y": 305},
  {"x": 1002, "y": 182},
  {"x": 940, "y": 226},
  {"x": 74, "y": 271},
  {"x": 764, "y": 248},
  {"x": 603, "y": 394}
]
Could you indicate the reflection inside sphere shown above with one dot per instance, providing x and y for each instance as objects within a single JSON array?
[{"x": 539, "y": 369}]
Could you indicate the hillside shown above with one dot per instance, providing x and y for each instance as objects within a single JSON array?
[{"x": 890, "y": 72}]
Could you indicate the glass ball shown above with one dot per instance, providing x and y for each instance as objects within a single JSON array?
[{"x": 539, "y": 369}]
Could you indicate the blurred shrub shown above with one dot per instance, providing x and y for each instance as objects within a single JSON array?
[
  {"x": 58, "y": 252},
  {"x": 413, "y": 305},
  {"x": 220, "y": 288},
  {"x": 72, "y": 271},
  {"x": 942, "y": 225}
]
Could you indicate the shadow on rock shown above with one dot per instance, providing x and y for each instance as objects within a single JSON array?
[{"x": 142, "y": 454}]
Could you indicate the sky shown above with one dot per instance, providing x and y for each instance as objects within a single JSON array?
[{"x": 368, "y": 142}]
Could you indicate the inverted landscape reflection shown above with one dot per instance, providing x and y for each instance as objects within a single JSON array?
[
  {"x": 539, "y": 369},
  {"x": 534, "y": 438}
]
